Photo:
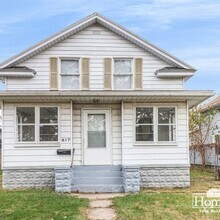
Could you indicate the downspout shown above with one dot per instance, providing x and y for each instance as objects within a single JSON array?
[
  {"x": 122, "y": 132},
  {"x": 71, "y": 133}
]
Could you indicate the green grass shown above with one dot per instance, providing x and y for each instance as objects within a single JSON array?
[
  {"x": 40, "y": 204},
  {"x": 167, "y": 204}
]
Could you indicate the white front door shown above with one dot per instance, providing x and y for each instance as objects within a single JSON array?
[{"x": 96, "y": 137}]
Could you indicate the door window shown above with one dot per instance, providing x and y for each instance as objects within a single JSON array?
[{"x": 96, "y": 131}]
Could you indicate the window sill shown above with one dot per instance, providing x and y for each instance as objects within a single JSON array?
[
  {"x": 156, "y": 144},
  {"x": 34, "y": 145}
]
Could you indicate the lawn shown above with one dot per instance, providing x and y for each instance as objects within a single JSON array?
[
  {"x": 40, "y": 204},
  {"x": 168, "y": 204}
]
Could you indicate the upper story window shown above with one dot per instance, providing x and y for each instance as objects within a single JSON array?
[
  {"x": 70, "y": 74},
  {"x": 155, "y": 124},
  {"x": 123, "y": 74}
]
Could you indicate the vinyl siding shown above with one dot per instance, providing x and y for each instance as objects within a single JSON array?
[
  {"x": 88, "y": 43},
  {"x": 154, "y": 154},
  {"x": 24, "y": 156},
  {"x": 35, "y": 156}
]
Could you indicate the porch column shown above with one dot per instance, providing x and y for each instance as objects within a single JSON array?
[{"x": 122, "y": 132}]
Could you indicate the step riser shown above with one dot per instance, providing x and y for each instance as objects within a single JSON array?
[
  {"x": 101, "y": 181},
  {"x": 97, "y": 189},
  {"x": 78, "y": 174},
  {"x": 97, "y": 168}
]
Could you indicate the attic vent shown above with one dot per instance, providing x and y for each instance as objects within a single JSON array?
[{"x": 96, "y": 32}]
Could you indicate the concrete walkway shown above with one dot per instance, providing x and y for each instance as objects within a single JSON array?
[{"x": 100, "y": 205}]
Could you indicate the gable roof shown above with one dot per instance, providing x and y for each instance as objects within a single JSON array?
[{"x": 81, "y": 25}]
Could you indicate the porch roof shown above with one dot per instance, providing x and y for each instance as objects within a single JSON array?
[{"x": 193, "y": 97}]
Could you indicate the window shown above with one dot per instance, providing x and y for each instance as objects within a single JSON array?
[
  {"x": 144, "y": 124},
  {"x": 96, "y": 131},
  {"x": 155, "y": 129},
  {"x": 25, "y": 124},
  {"x": 28, "y": 123},
  {"x": 48, "y": 124},
  {"x": 70, "y": 74},
  {"x": 166, "y": 124},
  {"x": 123, "y": 76}
]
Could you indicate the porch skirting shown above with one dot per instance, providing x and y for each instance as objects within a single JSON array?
[{"x": 133, "y": 178}]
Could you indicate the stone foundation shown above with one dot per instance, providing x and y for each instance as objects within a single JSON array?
[
  {"x": 165, "y": 176},
  {"x": 28, "y": 178},
  {"x": 63, "y": 179},
  {"x": 131, "y": 178}
]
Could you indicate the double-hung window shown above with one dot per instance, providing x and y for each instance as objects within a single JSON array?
[
  {"x": 144, "y": 124},
  {"x": 37, "y": 124},
  {"x": 123, "y": 74},
  {"x": 25, "y": 124},
  {"x": 48, "y": 124},
  {"x": 155, "y": 124},
  {"x": 70, "y": 74},
  {"x": 166, "y": 124}
]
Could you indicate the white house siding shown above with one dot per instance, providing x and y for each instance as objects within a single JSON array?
[
  {"x": 34, "y": 156},
  {"x": 155, "y": 154},
  {"x": 88, "y": 43},
  {"x": 115, "y": 131}
]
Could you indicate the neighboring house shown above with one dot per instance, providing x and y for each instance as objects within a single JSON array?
[
  {"x": 214, "y": 136},
  {"x": 95, "y": 108}
]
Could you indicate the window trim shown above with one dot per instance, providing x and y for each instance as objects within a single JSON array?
[
  {"x": 131, "y": 74},
  {"x": 72, "y": 74},
  {"x": 37, "y": 127},
  {"x": 155, "y": 125}
]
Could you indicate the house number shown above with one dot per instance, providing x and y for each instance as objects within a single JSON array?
[{"x": 65, "y": 139}]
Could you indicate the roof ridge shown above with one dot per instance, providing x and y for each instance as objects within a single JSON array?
[{"x": 87, "y": 21}]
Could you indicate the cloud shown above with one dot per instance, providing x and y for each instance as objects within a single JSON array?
[
  {"x": 164, "y": 13},
  {"x": 44, "y": 9},
  {"x": 204, "y": 58}
]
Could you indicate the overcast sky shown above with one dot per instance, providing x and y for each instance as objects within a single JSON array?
[{"x": 188, "y": 29}]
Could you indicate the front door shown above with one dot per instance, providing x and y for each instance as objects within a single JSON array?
[{"x": 96, "y": 137}]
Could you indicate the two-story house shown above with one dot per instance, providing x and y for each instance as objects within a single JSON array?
[{"x": 96, "y": 108}]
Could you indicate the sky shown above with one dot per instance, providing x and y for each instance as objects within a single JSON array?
[{"x": 188, "y": 29}]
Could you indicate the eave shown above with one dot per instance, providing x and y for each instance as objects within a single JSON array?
[
  {"x": 17, "y": 72},
  {"x": 168, "y": 96}
]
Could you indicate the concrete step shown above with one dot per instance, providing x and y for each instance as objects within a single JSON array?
[
  {"x": 97, "y": 168},
  {"x": 97, "y": 188},
  {"x": 97, "y": 180},
  {"x": 85, "y": 173}
]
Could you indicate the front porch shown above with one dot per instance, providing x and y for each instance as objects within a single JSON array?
[
  {"x": 97, "y": 179},
  {"x": 110, "y": 142}
]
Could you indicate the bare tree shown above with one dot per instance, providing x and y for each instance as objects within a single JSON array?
[{"x": 201, "y": 128}]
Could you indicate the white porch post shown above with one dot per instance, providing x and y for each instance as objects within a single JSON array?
[
  {"x": 71, "y": 134},
  {"x": 122, "y": 132}
]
